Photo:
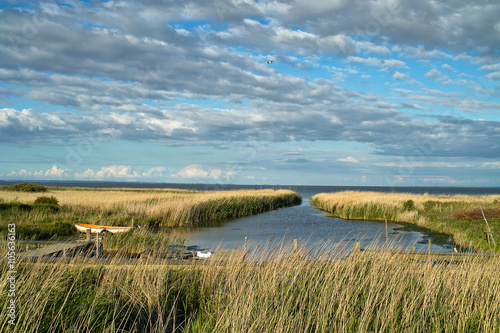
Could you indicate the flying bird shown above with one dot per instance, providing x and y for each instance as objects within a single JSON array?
[{"x": 270, "y": 62}]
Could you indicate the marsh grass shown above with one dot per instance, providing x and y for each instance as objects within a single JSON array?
[
  {"x": 365, "y": 293},
  {"x": 458, "y": 215},
  {"x": 148, "y": 208},
  {"x": 141, "y": 241}
]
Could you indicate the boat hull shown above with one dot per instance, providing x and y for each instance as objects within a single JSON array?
[{"x": 82, "y": 227}]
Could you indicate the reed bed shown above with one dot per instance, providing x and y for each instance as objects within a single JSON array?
[
  {"x": 458, "y": 215},
  {"x": 150, "y": 208},
  {"x": 364, "y": 293}
]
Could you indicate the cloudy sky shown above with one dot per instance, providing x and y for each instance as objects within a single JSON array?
[{"x": 383, "y": 92}]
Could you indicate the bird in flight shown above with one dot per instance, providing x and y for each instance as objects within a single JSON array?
[{"x": 270, "y": 62}]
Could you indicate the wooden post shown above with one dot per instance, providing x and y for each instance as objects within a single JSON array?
[
  {"x": 430, "y": 245},
  {"x": 97, "y": 247},
  {"x": 295, "y": 247},
  {"x": 386, "y": 234},
  {"x": 88, "y": 234}
]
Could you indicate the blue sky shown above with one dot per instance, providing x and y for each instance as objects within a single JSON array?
[{"x": 384, "y": 92}]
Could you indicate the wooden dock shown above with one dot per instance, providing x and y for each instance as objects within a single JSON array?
[{"x": 59, "y": 249}]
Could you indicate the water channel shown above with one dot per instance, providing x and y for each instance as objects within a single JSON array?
[{"x": 311, "y": 227}]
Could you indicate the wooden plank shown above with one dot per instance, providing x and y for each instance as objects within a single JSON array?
[{"x": 54, "y": 249}]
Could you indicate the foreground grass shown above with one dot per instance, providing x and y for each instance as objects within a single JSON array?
[
  {"x": 363, "y": 294},
  {"x": 147, "y": 207},
  {"x": 458, "y": 215}
]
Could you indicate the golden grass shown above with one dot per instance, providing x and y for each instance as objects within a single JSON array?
[
  {"x": 372, "y": 293},
  {"x": 389, "y": 200},
  {"x": 441, "y": 213},
  {"x": 147, "y": 207},
  {"x": 109, "y": 198}
]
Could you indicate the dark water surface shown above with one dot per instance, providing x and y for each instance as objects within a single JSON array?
[{"x": 304, "y": 222}]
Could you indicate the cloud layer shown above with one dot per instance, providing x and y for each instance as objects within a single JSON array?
[{"x": 393, "y": 76}]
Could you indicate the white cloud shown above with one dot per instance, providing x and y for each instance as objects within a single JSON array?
[
  {"x": 192, "y": 171},
  {"x": 439, "y": 92},
  {"x": 373, "y": 48},
  {"x": 495, "y": 165},
  {"x": 400, "y": 76},
  {"x": 394, "y": 63},
  {"x": 52, "y": 173},
  {"x": 448, "y": 67},
  {"x": 348, "y": 159},
  {"x": 491, "y": 67},
  {"x": 494, "y": 76},
  {"x": 377, "y": 62},
  {"x": 421, "y": 52},
  {"x": 433, "y": 73},
  {"x": 403, "y": 91},
  {"x": 27, "y": 120},
  {"x": 125, "y": 172},
  {"x": 55, "y": 171},
  {"x": 198, "y": 171},
  {"x": 183, "y": 32},
  {"x": 415, "y": 82},
  {"x": 412, "y": 106}
]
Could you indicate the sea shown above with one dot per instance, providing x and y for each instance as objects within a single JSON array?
[{"x": 297, "y": 188}]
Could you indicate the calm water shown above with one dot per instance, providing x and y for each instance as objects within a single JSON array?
[
  {"x": 304, "y": 222},
  {"x": 310, "y": 226}
]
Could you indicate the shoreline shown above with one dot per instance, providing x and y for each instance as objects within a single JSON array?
[
  {"x": 456, "y": 215},
  {"x": 54, "y": 210}
]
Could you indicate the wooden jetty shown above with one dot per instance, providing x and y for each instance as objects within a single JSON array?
[{"x": 58, "y": 249}]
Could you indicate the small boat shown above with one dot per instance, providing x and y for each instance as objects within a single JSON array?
[
  {"x": 200, "y": 254},
  {"x": 82, "y": 227}
]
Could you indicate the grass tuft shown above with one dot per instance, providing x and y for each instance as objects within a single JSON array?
[{"x": 26, "y": 187}]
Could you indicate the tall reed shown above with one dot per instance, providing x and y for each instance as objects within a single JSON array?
[
  {"x": 147, "y": 207},
  {"x": 458, "y": 215},
  {"x": 364, "y": 293}
]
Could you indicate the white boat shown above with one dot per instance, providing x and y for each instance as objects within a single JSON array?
[
  {"x": 82, "y": 227},
  {"x": 200, "y": 254}
]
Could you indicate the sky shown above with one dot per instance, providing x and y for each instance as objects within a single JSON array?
[{"x": 324, "y": 92}]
